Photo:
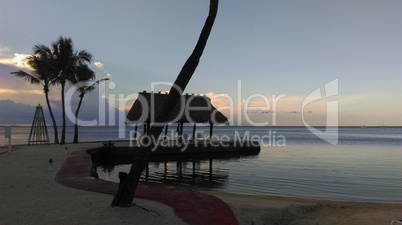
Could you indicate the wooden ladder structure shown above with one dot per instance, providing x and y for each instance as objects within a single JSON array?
[{"x": 38, "y": 134}]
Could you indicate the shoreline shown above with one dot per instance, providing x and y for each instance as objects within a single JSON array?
[
  {"x": 28, "y": 188},
  {"x": 300, "y": 198}
]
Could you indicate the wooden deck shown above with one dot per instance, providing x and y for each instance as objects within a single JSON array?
[{"x": 179, "y": 150}]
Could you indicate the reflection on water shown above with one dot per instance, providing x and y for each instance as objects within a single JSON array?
[
  {"x": 342, "y": 172},
  {"x": 196, "y": 173}
]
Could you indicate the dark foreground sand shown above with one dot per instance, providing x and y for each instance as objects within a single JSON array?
[
  {"x": 254, "y": 209},
  {"x": 29, "y": 195}
]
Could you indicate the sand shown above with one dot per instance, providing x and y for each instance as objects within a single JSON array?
[
  {"x": 254, "y": 209},
  {"x": 29, "y": 195}
]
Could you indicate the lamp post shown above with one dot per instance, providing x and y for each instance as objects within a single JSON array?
[{"x": 8, "y": 135}]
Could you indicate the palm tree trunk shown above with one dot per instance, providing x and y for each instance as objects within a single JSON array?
[
  {"x": 56, "y": 135},
  {"x": 127, "y": 188},
  {"x": 63, "y": 130},
  {"x": 76, "y": 120}
]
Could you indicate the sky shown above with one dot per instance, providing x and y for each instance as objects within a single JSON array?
[{"x": 264, "y": 63}]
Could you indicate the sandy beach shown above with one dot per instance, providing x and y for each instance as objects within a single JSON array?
[{"x": 30, "y": 195}]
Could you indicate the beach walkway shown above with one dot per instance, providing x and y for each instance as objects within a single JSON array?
[
  {"x": 4, "y": 149},
  {"x": 191, "y": 206}
]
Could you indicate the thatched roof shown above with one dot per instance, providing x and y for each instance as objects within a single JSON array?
[{"x": 199, "y": 110}]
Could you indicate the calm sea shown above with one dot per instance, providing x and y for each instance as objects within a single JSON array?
[{"x": 365, "y": 164}]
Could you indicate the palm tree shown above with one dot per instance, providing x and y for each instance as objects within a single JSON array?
[
  {"x": 129, "y": 182},
  {"x": 83, "y": 90},
  {"x": 66, "y": 62},
  {"x": 43, "y": 73}
]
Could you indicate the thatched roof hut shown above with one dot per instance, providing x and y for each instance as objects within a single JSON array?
[{"x": 191, "y": 109}]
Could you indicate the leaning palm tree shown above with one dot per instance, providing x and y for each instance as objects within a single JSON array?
[
  {"x": 83, "y": 89},
  {"x": 129, "y": 182},
  {"x": 66, "y": 61},
  {"x": 42, "y": 73}
]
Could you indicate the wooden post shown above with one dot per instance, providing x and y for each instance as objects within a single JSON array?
[
  {"x": 148, "y": 126},
  {"x": 166, "y": 131},
  {"x": 193, "y": 177},
  {"x": 211, "y": 129},
  {"x": 8, "y": 135},
  {"x": 178, "y": 130},
  {"x": 165, "y": 171},
  {"x": 181, "y": 129},
  {"x": 135, "y": 131},
  {"x": 210, "y": 169},
  {"x": 194, "y": 127},
  {"x": 179, "y": 169}
]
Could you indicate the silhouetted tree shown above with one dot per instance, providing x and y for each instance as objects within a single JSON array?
[
  {"x": 42, "y": 73},
  {"x": 128, "y": 185},
  {"x": 83, "y": 90},
  {"x": 66, "y": 63}
]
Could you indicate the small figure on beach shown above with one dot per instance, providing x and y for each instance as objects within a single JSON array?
[{"x": 50, "y": 164}]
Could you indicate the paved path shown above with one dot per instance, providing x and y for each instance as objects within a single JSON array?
[
  {"x": 191, "y": 206},
  {"x": 4, "y": 149}
]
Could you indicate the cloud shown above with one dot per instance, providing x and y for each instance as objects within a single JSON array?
[
  {"x": 14, "y": 91},
  {"x": 20, "y": 91},
  {"x": 123, "y": 105},
  {"x": 219, "y": 100},
  {"x": 19, "y": 60},
  {"x": 125, "y": 108},
  {"x": 99, "y": 64},
  {"x": 257, "y": 102},
  {"x": 14, "y": 113},
  {"x": 19, "y": 113},
  {"x": 3, "y": 50}
]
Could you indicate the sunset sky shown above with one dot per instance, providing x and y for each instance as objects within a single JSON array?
[{"x": 257, "y": 49}]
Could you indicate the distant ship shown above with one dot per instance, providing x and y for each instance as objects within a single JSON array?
[{"x": 363, "y": 126}]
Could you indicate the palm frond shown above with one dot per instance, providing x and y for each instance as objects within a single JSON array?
[
  {"x": 83, "y": 56},
  {"x": 102, "y": 80},
  {"x": 83, "y": 73},
  {"x": 54, "y": 81},
  {"x": 93, "y": 86},
  {"x": 84, "y": 88},
  {"x": 32, "y": 79},
  {"x": 41, "y": 50}
]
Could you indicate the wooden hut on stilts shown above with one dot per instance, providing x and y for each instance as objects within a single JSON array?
[{"x": 193, "y": 109}]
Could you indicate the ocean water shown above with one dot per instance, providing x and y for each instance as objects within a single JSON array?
[{"x": 365, "y": 164}]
